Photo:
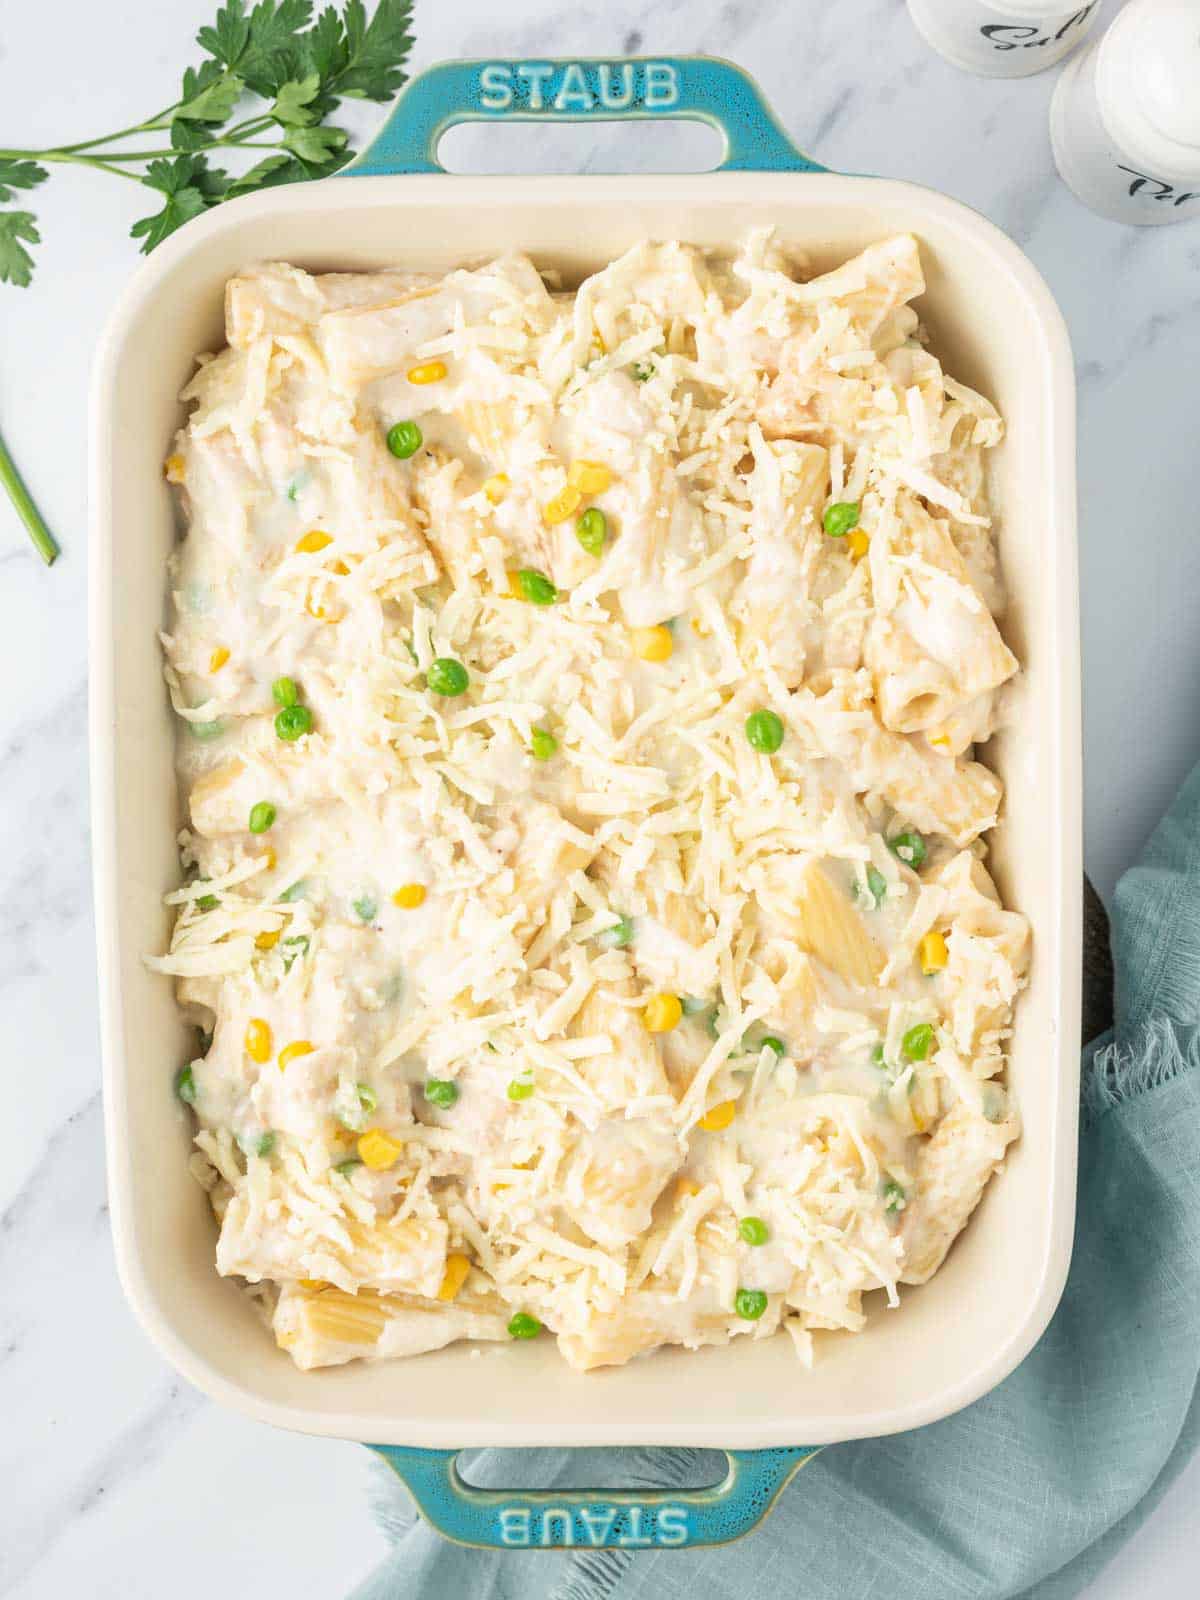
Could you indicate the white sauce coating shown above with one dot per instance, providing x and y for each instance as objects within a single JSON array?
[{"x": 436, "y": 1093}]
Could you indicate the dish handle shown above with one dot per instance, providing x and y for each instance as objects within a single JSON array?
[
  {"x": 623, "y": 89},
  {"x": 595, "y": 1519}
]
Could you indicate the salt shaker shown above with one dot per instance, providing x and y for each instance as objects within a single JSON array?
[
  {"x": 1125, "y": 118},
  {"x": 1002, "y": 38}
]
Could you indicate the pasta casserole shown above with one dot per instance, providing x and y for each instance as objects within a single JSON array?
[{"x": 585, "y": 907}]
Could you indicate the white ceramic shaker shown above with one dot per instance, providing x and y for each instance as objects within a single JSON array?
[
  {"x": 1003, "y": 38},
  {"x": 1125, "y": 118}
]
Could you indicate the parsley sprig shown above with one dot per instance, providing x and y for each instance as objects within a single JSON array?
[{"x": 270, "y": 80}]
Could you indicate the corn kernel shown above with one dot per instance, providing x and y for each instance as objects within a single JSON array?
[
  {"x": 319, "y": 613},
  {"x": 315, "y": 539},
  {"x": 258, "y": 1040},
  {"x": 174, "y": 469},
  {"x": 457, "y": 1267},
  {"x": 427, "y": 372},
  {"x": 218, "y": 658},
  {"x": 409, "y": 896},
  {"x": 268, "y": 940},
  {"x": 563, "y": 505},
  {"x": 719, "y": 1117},
  {"x": 662, "y": 1013},
  {"x": 685, "y": 1188},
  {"x": 590, "y": 477},
  {"x": 313, "y": 1284},
  {"x": 858, "y": 544},
  {"x": 652, "y": 644},
  {"x": 290, "y": 1052},
  {"x": 497, "y": 486},
  {"x": 377, "y": 1151},
  {"x": 934, "y": 953}
]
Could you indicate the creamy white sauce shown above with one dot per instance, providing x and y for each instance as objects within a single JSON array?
[{"x": 422, "y": 962}]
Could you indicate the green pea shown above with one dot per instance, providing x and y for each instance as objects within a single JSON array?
[
  {"x": 754, "y": 1044},
  {"x": 523, "y": 1326},
  {"x": 917, "y": 1040},
  {"x": 185, "y": 1086},
  {"x": 908, "y": 847},
  {"x": 877, "y": 1055},
  {"x": 995, "y": 1103},
  {"x": 536, "y": 587},
  {"x": 750, "y": 1304},
  {"x": 262, "y": 816},
  {"x": 840, "y": 517},
  {"x": 447, "y": 677},
  {"x": 876, "y": 885},
  {"x": 344, "y": 1168},
  {"x": 764, "y": 732},
  {"x": 294, "y": 891},
  {"x": 299, "y": 948},
  {"x": 367, "y": 1098},
  {"x": 754, "y": 1230},
  {"x": 365, "y": 908},
  {"x": 441, "y": 1092},
  {"x": 591, "y": 530},
  {"x": 542, "y": 745},
  {"x": 285, "y": 692},
  {"x": 293, "y": 722},
  {"x": 264, "y": 1144},
  {"x": 404, "y": 439},
  {"x": 520, "y": 1088},
  {"x": 207, "y": 902},
  {"x": 894, "y": 1198},
  {"x": 618, "y": 936},
  {"x": 206, "y": 730}
]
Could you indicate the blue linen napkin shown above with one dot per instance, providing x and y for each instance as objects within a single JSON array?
[{"x": 1029, "y": 1492}]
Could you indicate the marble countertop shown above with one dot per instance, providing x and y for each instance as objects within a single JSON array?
[{"x": 111, "y": 1465}]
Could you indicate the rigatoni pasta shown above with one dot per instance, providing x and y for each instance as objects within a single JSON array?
[{"x": 584, "y": 906}]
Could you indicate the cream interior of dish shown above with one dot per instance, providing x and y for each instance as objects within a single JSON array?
[{"x": 566, "y": 996}]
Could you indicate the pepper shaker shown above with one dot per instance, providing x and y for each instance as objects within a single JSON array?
[
  {"x": 1002, "y": 38},
  {"x": 1125, "y": 118}
]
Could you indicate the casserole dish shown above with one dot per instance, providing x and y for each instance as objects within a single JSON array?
[{"x": 993, "y": 321}]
